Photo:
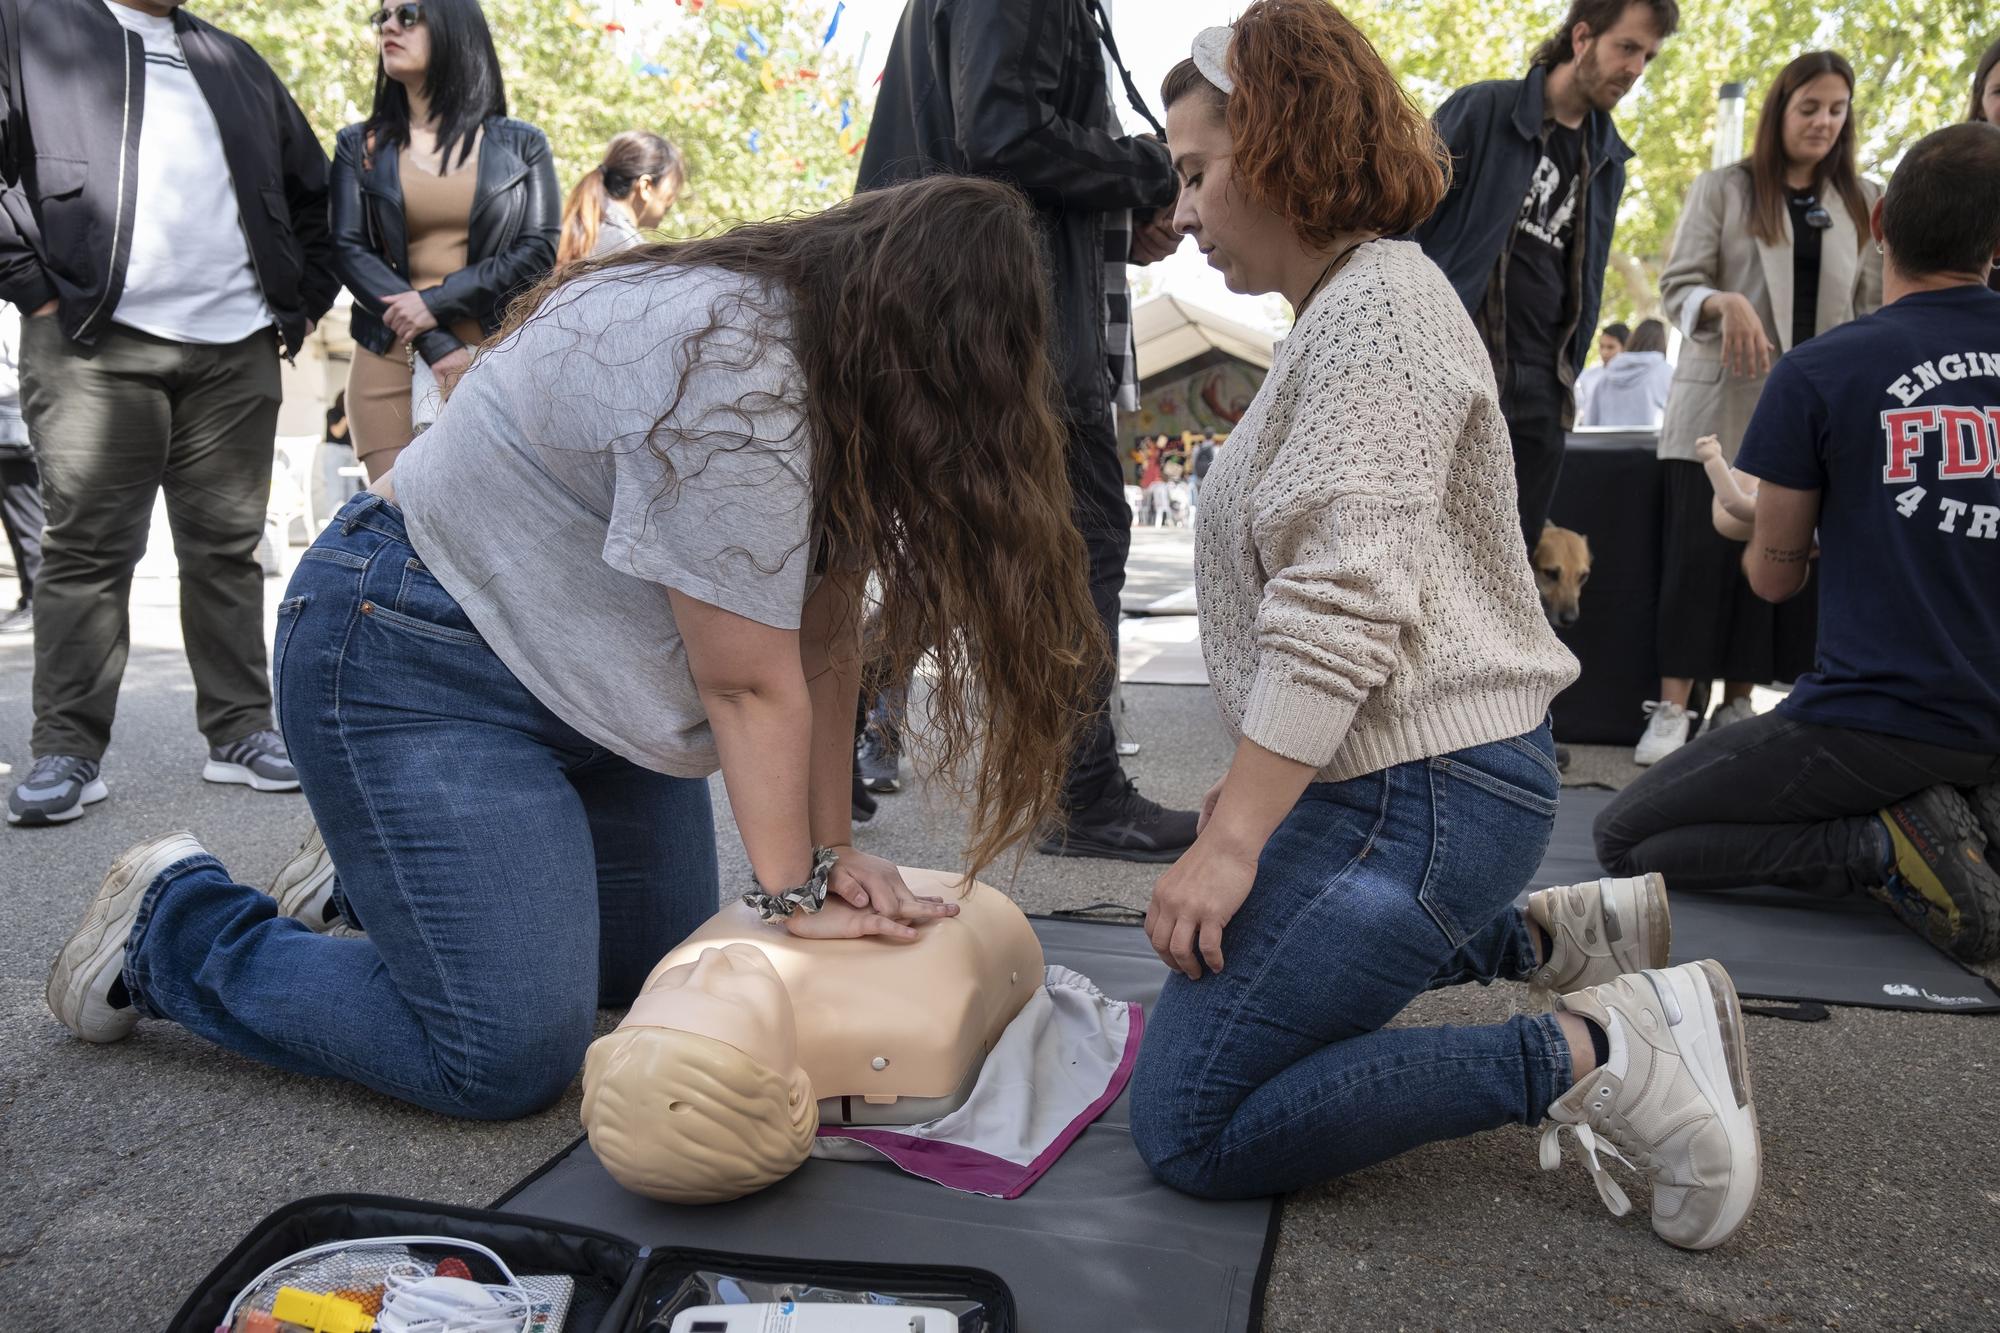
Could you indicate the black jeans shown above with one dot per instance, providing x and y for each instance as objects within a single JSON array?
[
  {"x": 1097, "y": 487},
  {"x": 1532, "y": 399},
  {"x": 1773, "y": 801},
  {"x": 113, "y": 426},
  {"x": 21, "y": 514}
]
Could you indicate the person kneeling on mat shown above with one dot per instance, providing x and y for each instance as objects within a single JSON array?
[
  {"x": 1880, "y": 772},
  {"x": 632, "y": 550},
  {"x": 1378, "y": 647}
]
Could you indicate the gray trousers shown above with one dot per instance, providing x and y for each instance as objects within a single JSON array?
[{"x": 113, "y": 425}]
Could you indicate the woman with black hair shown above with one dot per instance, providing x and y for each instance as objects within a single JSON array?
[
  {"x": 443, "y": 211},
  {"x": 628, "y": 193}
]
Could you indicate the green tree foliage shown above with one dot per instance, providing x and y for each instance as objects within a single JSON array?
[
  {"x": 762, "y": 131},
  {"x": 1913, "y": 62}
]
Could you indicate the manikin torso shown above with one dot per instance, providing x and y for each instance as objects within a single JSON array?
[{"x": 887, "y": 1033}]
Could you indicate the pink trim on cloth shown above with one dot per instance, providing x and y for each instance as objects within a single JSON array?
[{"x": 957, "y": 1167}]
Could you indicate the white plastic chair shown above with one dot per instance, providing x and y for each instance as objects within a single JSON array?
[{"x": 291, "y": 497}]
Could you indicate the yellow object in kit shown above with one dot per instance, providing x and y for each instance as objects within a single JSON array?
[{"x": 320, "y": 1314}]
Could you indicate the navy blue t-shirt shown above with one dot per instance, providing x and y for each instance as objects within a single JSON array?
[{"x": 1895, "y": 420}]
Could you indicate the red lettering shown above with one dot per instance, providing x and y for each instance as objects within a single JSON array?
[
  {"x": 1905, "y": 430},
  {"x": 1967, "y": 444}
]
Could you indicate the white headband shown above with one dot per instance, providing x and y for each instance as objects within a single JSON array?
[{"x": 1211, "y": 57}]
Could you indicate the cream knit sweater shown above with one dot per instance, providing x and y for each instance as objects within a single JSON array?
[{"x": 1364, "y": 597}]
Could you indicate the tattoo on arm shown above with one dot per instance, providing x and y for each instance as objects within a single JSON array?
[{"x": 1786, "y": 555}]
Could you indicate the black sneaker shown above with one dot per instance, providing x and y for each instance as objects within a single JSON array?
[
  {"x": 1985, "y": 803},
  {"x": 259, "y": 761},
  {"x": 878, "y": 758},
  {"x": 1123, "y": 826},
  {"x": 1939, "y": 883},
  {"x": 21, "y": 620},
  {"x": 863, "y": 807},
  {"x": 56, "y": 790}
]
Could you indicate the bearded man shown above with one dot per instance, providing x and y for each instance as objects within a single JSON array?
[{"x": 1525, "y": 231}]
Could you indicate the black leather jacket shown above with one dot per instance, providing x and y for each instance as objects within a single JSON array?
[
  {"x": 72, "y": 98},
  {"x": 1016, "y": 89},
  {"x": 516, "y": 218}
]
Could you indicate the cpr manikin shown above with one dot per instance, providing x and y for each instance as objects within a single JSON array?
[
  {"x": 1734, "y": 512},
  {"x": 745, "y": 1037}
]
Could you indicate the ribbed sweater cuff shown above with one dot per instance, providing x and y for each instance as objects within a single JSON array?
[{"x": 1291, "y": 718}]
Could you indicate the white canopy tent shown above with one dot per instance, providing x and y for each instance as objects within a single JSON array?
[{"x": 1170, "y": 332}]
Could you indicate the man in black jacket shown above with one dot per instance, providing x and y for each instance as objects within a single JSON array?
[
  {"x": 1525, "y": 232},
  {"x": 1016, "y": 89},
  {"x": 163, "y": 229}
]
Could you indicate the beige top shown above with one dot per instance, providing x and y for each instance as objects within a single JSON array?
[
  {"x": 1365, "y": 598},
  {"x": 1713, "y": 251},
  {"x": 437, "y": 217}
]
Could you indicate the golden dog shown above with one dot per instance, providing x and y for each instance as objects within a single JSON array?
[{"x": 1562, "y": 567}]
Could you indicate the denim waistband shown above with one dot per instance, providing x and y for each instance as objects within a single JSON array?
[{"x": 369, "y": 510}]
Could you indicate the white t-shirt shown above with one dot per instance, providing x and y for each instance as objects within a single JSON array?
[
  {"x": 189, "y": 277},
  {"x": 546, "y": 504}
]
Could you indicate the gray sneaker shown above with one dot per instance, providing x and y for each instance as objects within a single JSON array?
[
  {"x": 1600, "y": 931},
  {"x": 83, "y": 988},
  {"x": 878, "y": 756},
  {"x": 56, "y": 790},
  {"x": 1673, "y": 1100},
  {"x": 21, "y": 620},
  {"x": 304, "y": 887},
  {"x": 259, "y": 761}
]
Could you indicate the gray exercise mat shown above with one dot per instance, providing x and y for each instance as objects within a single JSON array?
[
  {"x": 1781, "y": 944},
  {"x": 1094, "y": 1244}
]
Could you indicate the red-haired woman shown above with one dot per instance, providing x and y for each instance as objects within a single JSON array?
[{"x": 1379, "y": 651}]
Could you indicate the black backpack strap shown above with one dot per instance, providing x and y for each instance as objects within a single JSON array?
[{"x": 1103, "y": 22}]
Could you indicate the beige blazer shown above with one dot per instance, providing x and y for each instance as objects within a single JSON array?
[{"x": 1713, "y": 251}]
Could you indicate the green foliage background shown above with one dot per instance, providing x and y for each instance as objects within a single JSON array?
[
  {"x": 1914, "y": 59},
  {"x": 577, "y": 82},
  {"x": 1913, "y": 62}
]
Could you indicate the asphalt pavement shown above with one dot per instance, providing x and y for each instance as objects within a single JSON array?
[{"x": 130, "y": 1169}]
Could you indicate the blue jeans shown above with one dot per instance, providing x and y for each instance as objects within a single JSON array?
[
  {"x": 1277, "y": 1072},
  {"x": 511, "y": 875}
]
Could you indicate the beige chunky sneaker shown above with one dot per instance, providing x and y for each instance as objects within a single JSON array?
[
  {"x": 1672, "y": 1101},
  {"x": 1600, "y": 931},
  {"x": 304, "y": 886},
  {"x": 84, "y": 978}
]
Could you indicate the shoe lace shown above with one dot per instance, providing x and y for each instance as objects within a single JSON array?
[
  {"x": 1126, "y": 800},
  {"x": 54, "y": 768},
  {"x": 267, "y": 741},
  {"x": 1593, "y": 1137}
]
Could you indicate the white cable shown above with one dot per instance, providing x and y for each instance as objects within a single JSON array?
[
  {"x": 378, "y": 1242},
  {"x": 419, "y": 1302}
]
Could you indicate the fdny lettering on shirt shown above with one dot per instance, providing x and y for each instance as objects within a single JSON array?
[{"x": 1943, "y": 443}]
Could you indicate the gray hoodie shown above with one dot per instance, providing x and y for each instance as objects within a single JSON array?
[{"x": 1631, "y": 392}]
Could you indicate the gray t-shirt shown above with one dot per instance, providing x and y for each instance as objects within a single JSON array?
[{"x": 540, "y": 503}]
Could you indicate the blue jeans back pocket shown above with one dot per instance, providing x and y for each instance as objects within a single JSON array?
[{"x": 1493, "y": 808}]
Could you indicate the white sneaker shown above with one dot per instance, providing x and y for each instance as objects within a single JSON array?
[
  {"x": 1600, "y": 931},
  {"x": 1666, "y": 731},
  {"x": 93, "y": 958},
  {"x": 1736, "y": 710},
  {"x": 304, "y": 886},
  {"x": 1673, "y": 1101}
]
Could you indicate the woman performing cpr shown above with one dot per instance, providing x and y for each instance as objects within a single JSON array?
[
  {"x": 632, "y": 551},
  {"x": 1377, "y": 647}
]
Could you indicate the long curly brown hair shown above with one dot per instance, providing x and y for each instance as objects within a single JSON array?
[{"x": 919, "y": 319}]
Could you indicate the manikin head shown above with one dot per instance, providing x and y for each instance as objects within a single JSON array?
[{"x": 711, "y": 1049}]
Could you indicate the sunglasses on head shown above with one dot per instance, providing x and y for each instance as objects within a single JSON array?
[{"x": 406, "y": 16}]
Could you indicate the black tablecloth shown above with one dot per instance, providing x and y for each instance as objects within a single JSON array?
[{"x": 1610, "y": 492}]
